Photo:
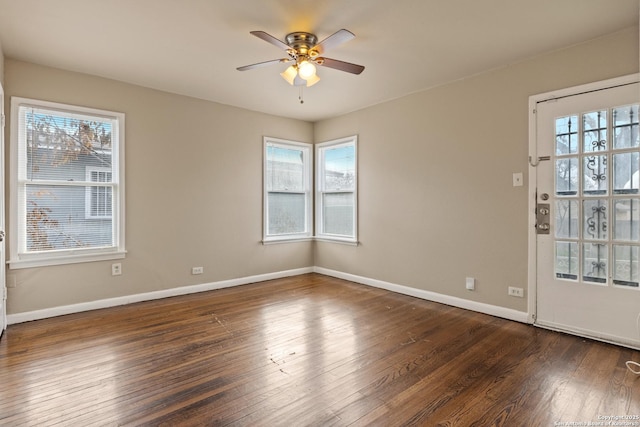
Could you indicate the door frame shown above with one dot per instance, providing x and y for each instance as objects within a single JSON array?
[
  {"x": 534, "y": 100},
  {"x": 3, "y": 239}
]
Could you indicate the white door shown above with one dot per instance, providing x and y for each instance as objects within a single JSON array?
[
  {"x": 3, "y": 286},
  {"x": 588, "y": 212}
]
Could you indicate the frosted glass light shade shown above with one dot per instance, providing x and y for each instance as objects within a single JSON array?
[
  {"x": 293, "y": 76},
  {"x": 290, "y": 74},
  {"x": 312, "y": 80}
]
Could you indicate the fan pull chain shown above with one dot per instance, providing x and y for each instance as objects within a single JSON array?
[{"x": 301, "y": 95}]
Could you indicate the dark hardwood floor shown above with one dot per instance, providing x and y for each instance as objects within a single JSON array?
[{"x": 306, "y": 350}]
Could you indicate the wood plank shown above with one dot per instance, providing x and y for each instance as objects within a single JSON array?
[{"x": 305, "y": 350}]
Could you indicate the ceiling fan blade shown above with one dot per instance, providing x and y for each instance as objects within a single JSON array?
[
  {"x": 340, "y": 65},
  {"x": 270, "y": 39},
  {"x": 333, "y": 40},
  {"x": 263, "y": 64}
]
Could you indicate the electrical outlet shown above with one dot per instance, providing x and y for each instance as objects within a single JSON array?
[
  {"x": 116, "y": 269},
  {"x": 516, "y": 292},
  {"x": 197, "y": 270}
]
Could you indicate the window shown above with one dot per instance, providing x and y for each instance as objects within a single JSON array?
[
  {"x": 98, "y": 197},
  {"x": 287, "y": 190},
  {"x": 336, "y": 190},
  {"x": 58, "y": 154}
]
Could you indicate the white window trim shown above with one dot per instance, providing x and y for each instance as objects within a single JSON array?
[
  {"x": 18, "y": 257},
  {"x": 308, "y": 166},
  {"x": 88, "y": 200},
  {"x": 320, "y": 235}
]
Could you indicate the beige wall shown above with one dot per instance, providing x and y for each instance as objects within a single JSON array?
[
  {"x": 1, "y": 65},
  {"x": 193, "y": 192},
  {"x": 436, "y": 199},
  {"x": 435, "y": 195}
]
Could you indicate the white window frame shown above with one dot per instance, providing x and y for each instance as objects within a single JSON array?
[
  {"x": 307, "y": 150},
  {"x": 88, "y": 199},
  {"x": 320, "y": 168},
  {"x": 19, "y": 256}
]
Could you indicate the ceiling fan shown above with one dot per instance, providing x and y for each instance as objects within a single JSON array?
[{"x": 304, "y": 52}]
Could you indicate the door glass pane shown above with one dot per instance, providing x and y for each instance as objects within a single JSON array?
[
  {"x": 595, "y": 175},
  {"x": 625, "y": 127},
  {"x": 597, "y": 186},
  {"x": 595, "y": 219},
  {"x": 567, "y": 219},
  {"x": 594, "y": 257},
  {"x": 625, "y": 259},
  {"x": 625, "y": 173},
  {"x": 625, "y": 223},
  {"x": 567, "y": 135},
  {"x": 567, "y": 176},
  {"x": 566, "y": 260},
  {"x": 595, "y": 131}
]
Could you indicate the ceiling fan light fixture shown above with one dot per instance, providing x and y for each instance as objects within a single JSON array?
[
  {"x": 304, "y": 52},
  {"x": 290, "y": 74}
]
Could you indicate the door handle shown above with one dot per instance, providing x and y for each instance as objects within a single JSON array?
[{"x": 1, "y": 235}]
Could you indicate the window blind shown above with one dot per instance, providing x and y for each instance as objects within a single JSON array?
[{"x": 62, "y": 155}]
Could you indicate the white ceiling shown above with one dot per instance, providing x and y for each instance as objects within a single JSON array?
[{"x": 192, "y": 47}]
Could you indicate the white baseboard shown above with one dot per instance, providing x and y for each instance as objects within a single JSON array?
[
  {"x": 493, "y": 310},
  {"x": 148, "y": 296}
]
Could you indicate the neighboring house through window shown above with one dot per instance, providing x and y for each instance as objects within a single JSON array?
[
  {"x": 59, "y": 153},
  {"x": 98, "y": 202}
]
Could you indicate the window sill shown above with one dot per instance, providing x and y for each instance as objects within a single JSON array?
[
  {"x": 348, "y": 242},
  {"x": 273, "y": 241},
  {"x": 312, "y": 239},
  {"x": 32, "y": 262}
]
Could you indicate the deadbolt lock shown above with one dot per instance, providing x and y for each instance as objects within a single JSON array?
[{"x": 543, "y": 212}]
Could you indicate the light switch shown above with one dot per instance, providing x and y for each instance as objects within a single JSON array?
[{"x": 518, "y": 180}]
